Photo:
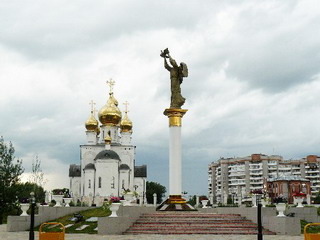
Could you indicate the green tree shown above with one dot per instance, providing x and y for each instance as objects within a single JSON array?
[
  {"x": 154, "y": 187},
  {"x": 10, "y": 171},
  {"x": 317, "y": 198},
  {"x": 192, "y": 200},
  {"x": 23, "y": 191}
]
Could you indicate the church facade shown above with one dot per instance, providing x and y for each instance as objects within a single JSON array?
[{"x": 107, "y": 159}]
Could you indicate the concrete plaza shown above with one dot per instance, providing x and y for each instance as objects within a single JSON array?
[{"x": 4, "y": 235}]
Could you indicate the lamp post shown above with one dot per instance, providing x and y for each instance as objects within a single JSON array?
[
  {"x": 259, "y": 217},
  {"x": 33, "y": 203}
]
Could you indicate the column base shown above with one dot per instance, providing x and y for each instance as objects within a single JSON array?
[{"x": 175, "y": 203}]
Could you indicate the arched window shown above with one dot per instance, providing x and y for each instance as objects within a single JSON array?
[
  {"x": 89, "y": 185},
  {"x": 99, "y": 182}
]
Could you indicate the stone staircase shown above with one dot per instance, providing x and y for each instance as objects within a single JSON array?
[{"x": 193, "y": 223}]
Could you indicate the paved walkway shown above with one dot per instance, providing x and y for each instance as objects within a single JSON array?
[{"x": 25, "y": 235}]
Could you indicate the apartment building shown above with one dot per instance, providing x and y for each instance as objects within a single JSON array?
[{"x": 237, "y": 176}]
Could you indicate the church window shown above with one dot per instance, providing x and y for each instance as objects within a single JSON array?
[
  {"x": 112, "y": 183},
  {"x": 99, "y": 182},
  {"x": 89, "y": 185}
]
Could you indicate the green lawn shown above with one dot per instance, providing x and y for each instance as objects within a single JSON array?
[
  {"x": 311, "y": 229},
  {"x": 96, "y": 212}
]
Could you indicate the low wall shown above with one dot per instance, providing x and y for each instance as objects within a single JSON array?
[
  {"x": 22, "y": 223},
  {"x": 279, "y": 225},
  {"x": 306, "y": 213},
  {"x": 127, "y": 215}
]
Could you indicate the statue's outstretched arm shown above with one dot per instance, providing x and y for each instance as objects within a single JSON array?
[
  {"x": 172, "y": 61},
  {"x": 166, "y": 65}
]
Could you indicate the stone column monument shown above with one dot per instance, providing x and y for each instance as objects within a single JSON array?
[{"x": 175, "y": 202}]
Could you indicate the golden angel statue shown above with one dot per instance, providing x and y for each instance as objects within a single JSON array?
[{"x": 177, "y": 73}]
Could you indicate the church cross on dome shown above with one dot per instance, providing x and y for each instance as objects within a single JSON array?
[
  {"x": 111, "y": 83},
  {"x": 92, "y": 103},
  {"x": 126, "y": 105}
]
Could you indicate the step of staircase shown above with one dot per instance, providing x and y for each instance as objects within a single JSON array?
[{"x": 193, "y": 223}]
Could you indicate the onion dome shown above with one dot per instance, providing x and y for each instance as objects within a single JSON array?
[
  {"x": 107, "y": 139},
  {"x": 110, "y": 114},
  {"x": 126, "y": 124},
  {"x": 97, "y": 130},
  {"x": 91, "y": 124}
]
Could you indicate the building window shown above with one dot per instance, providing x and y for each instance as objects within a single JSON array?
[
  {"x": 89, "y": 185},
  {"x": 122, "y": 183},
  {"x": 99, "y": 182},
  {"x": 112, "y": 183}
]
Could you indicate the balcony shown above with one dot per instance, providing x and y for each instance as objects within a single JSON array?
[
  {"x": 312, "y": 171},
  {"x": 256, "y": 178},
  {"x": 236, "y": 174},
  {"x": 272, "y": 164},
  {"x": 312, "y": 176},
  {"x": 256, "y": 183},
  {"x": 272, "y": 168},
  {"x": 256, "y": 174}
]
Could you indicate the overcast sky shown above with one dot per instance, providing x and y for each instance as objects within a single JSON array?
[{"x": 253, "y": 84}]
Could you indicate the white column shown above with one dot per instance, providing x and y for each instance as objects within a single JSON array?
[
  {"x": 155, "y": 199},
  {"x": 175, "y": 161}
]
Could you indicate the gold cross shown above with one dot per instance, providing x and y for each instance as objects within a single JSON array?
[
  {"x": 126, "y": 104},
  {"x": 111, "y": 84},
  {"x": 92, "y": 105}
]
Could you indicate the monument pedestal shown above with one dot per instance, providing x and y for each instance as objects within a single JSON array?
[{"x": 175, "y": 202}]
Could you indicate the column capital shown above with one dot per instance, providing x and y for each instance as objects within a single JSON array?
[{"x": 175, "y": 115}]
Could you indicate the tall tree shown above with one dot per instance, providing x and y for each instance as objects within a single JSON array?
[
  {"x": 154, "y": 187},
  {"x": 36, "y": 178},
  {"x": 10, "y": 171}
]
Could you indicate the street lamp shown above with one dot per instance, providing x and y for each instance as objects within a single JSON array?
[{"x": 33, "y": 203}]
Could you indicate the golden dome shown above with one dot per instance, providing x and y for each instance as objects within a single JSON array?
[
  {"x": 110, "y": 114},
  {"x": 107, "y": 139},
  {"x": 126, "y": 124},
  {"x": 112, "y": 99},
  {"x": 97, "y": 130},
  {"x": 91, "y": 124}
]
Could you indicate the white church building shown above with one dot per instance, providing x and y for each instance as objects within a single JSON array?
[{"x": 107, "y": 159}]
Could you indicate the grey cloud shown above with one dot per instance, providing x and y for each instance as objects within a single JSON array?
[{"x": 54, "y": 29}]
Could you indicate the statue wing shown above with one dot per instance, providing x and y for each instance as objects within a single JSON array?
[{"x": 184, "y": 69}]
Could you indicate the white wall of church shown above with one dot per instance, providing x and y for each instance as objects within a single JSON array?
[
  {"x": 127, "y": 154},
  {"x": 125, "y": 180},
  {"x": 108, "y": 171},
  {"x": 75, "y": 186},
  {"x": 125, "y": 138},
  {"x": 91, "y": 137},
  {"x": 141, "y": 185},
  {"x": 89, "y": 176}
]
